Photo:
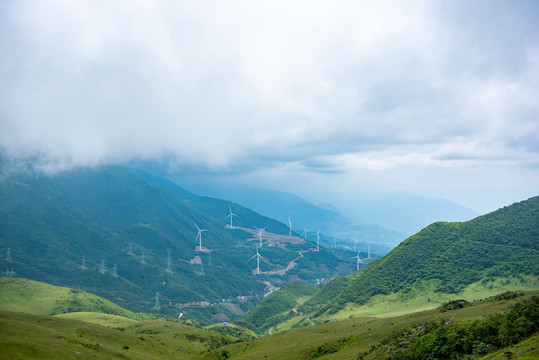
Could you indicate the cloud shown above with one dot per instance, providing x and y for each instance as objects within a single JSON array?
[{"x": 307, "y": 85}]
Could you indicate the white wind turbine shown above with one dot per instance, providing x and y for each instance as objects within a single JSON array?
[
  {"x": 334, "y": 242},
  {"x": 304, "y": 233},
  {"x": 231, "y": 215},
  {"x": 260, "y": 231},
  {"x": 289, "y": 226},
  {"x": 358, "y": 260},
  {"x": 368, "y": 250},
  {"x": 318, "y": 240},
  {"x": 199, "y": 237},
  {"x": 258, "y": 256}
]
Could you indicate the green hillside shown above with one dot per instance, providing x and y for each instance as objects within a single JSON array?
[
  {"x": 277, "y": 307},
  {"x": 28, "y": 336},
  {"x": 446, "y": 258},
  {"x": 506, "y": 324},
  {"x": 39, "y": 298},
  {"x": 125, "y": 229}
]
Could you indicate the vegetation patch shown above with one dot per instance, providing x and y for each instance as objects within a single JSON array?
[{"x": 452, "y": 340}]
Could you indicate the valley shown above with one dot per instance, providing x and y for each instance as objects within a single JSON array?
[{"x": 161, "y": 265}]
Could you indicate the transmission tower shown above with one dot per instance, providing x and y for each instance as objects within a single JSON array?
[
  {"x": 8, "y": 255},
  {"x": 157, "y": 305},
  {"x": 83, "y": 266},
  {"x": 102, "y": 268},
  {"x": 10, "y": 273},
  {"x": 130, "y": 251},
  {"x": 169, "y": 267},
  {"x": 142, "y": 259},
  {"x": 114, "y": 271}
]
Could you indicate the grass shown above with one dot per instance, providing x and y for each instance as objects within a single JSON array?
[
  {"x": 346, "y": 339},
  {"x": 108, "y": 320},
  {"x": 424, "y": 299},
  {"x": 56, "y": 337},
  {"x": 33, "y": 297},
  {"x": 525, "y": 350},
  {"x": 29, "y": 296}
]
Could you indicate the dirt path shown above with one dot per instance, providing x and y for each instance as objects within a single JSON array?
[{"x": 290, "y": 265}]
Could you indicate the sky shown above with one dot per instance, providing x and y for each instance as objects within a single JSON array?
[{"x": 438, "y": 98}]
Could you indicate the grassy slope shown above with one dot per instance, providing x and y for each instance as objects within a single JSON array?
[
  {"x": 108, "y": 320},
  {"x": 39, "y": 298},
  {"x": 45, "y": 337},
  {"x": 353, "y": 336},
  {"x": 449, "y": 257},
  {"x": 277, "y": 307}
]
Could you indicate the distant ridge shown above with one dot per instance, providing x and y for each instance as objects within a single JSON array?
[{"x": 162, "y": 183}]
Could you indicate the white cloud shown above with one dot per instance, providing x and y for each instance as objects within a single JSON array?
[{"x": 317, "y": 85}]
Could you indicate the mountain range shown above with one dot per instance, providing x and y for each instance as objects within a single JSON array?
[{"x": 108, "y": 232}]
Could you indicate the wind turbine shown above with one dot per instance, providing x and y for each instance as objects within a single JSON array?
[
  {"x": 260, "y": 230},
  {"x": 334, "y": 242},
  {"x": 358, "y": 260},
  {"x": 290, "y": 226},
  {"x": 318, "y": 240},
  {"x": 199, "y": 237},
  {"x": 304, "y": 233},
  {"x": 231, "y": 215},
  {"x": 368, "y": 249},
  {"x": 258, "y": 256}
]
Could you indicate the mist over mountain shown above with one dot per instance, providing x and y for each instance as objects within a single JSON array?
[
  {"x": 380, "y": 216},
  {"x": 401, "y": 211}
]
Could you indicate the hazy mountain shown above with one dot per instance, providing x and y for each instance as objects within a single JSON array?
[
  {"x": 400, "y": 211},
  {"x": 124, "y": 228},
  {"x": 307, "y": 216},
  {"x": 162, "y": 183}
]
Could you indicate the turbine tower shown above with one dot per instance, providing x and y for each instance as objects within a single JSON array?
[
  {"x": 289, "y": 226},
  {"x": 231, "y": 215},
  {"x": 334, "y": 242},
  {"x": 304, "y": 233},
  {"x": 199, "y": 237},
  {"x": 258, "y": 256},
  {"x": 358, "y": 260},
  {"x": 169, "y": 267},
  {"x": 318, "y": 240},
  {"x": 368, "y": 250}
]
